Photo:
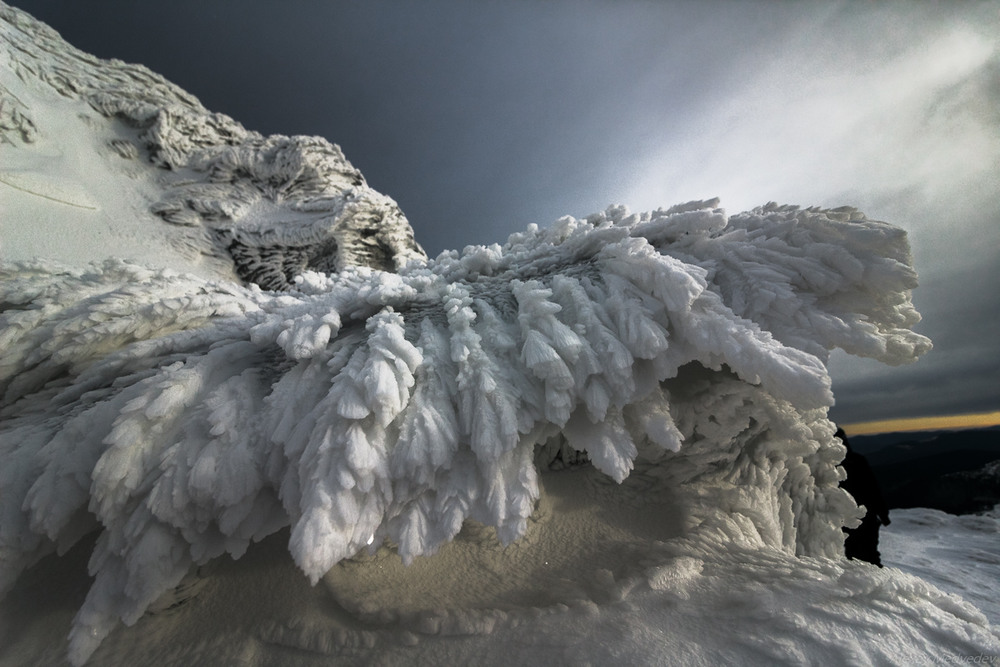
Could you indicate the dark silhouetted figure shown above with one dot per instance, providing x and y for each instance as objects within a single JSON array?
[{"x": 862, "y": 542}]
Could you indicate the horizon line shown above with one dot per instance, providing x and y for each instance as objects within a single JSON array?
[{"x": 960, "y": 421}]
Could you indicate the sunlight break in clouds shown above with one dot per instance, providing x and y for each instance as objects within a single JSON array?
[
  {"x": 979, "y": 420},
  {"x": 810, "y": 132}
]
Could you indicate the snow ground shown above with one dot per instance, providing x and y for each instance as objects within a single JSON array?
[
  {"x": 579, "y": 590},
  {"x": 958, "y": 554}
]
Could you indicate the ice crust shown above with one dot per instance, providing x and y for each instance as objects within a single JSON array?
[{"x": 292, "y": 360}]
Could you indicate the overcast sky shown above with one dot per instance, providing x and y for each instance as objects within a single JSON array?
[{"x": 481, "y": 117}]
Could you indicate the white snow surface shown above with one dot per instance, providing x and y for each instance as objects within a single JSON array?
[
  {"x": 603, "y": 441},
  {"x": 958, "y": 554},
  {"x": 109, "y": 160}
]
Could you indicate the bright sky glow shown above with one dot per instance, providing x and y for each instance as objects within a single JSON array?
[{"x": 979, "y": 420}]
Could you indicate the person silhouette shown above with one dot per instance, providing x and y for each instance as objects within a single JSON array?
[{"x": 862, "y": 542}]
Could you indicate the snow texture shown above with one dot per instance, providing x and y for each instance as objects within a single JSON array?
[
  {"x": 368, "y": 397},
  {"x": 959, "y": 554},
  {"x": 220, "y": 187},
  {"x": 185, "y": 418}
]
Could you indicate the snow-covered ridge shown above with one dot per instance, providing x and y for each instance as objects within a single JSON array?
[
  {"x": 182, "y": 415},
  {"x": 277, "y": 204}
]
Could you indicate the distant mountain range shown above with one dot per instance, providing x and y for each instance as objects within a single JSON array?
[{"x": 952, "y": 471}]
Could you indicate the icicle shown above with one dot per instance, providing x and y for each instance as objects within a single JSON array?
[{"x": 607, "y": 443}]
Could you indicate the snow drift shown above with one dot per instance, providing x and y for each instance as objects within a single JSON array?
[{"x": 287, "y": 358}]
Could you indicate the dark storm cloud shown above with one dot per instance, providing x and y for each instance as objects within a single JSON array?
[
  {"x": 927, "y": 389},
  {"x": 482, "y": 117},
  {"x": 961, "y": 314}
]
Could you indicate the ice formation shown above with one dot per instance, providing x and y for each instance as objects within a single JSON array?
[
  {"x": 220, "y": 187},
  {"x": 308, "y": 368}
]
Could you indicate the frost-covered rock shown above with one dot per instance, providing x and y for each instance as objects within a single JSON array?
[
  {"x": 370, "y": 398},
  {"x": 213, "y": 197}
]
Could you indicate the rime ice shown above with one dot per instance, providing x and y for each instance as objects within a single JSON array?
[{"x": 370, "y": 397}]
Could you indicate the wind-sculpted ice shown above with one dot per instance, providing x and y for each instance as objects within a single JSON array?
[
  {"x": 185, "y": 418},
  {"x": 369, "y": 396}
]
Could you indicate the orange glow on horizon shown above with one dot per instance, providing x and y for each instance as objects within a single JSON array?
[{"x": 978, "y": 420}]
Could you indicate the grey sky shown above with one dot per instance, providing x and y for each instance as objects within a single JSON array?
[{"x": 480, "y": 117}]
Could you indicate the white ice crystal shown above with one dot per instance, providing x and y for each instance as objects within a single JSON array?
[{"x": 191, "y": 417}]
